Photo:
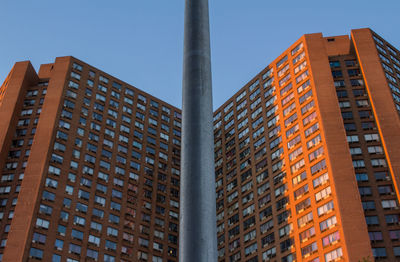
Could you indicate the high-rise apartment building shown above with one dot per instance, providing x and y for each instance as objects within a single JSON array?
[
  {"x": 90, "y": 167},
  {"x": 308, "y": 155},
  {"x": 307, "y": 161}
]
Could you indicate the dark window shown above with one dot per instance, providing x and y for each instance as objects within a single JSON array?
[
  {"x": 347, "y": 115},
  {"x": 337, "y": 73},
  {"x": 341, "y": 93},
  {"x": 334, "y": 64}
]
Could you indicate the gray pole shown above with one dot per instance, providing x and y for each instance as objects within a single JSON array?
[{"x": 197, "y": 235}]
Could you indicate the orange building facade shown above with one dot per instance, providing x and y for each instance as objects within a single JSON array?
[
  {"x": 307, "y": 155},
  {"x": 307, "y": 159}
]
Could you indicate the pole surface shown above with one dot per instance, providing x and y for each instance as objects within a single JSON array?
[{"x": 197, "y": 235}]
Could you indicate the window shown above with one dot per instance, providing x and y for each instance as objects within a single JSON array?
[
  {"x": 349, "y": 127},
  {"x": 79, "y": 220},
  {"x": 326, "y": 208},
  {"x": 292, "y": 130},
  {"x": 39, "y": 238},
  {"x": 394, "y": 234},
  {"x": 389, "y": 204},
  {"x": 344, "y": 104},
  {"x": 296, "y": 49},
  {"x": 299, "y": 57},
  {"x": 365, "y": 114},
  {"x": 333, "y": 255},
  {"x": 324, "y": 193},
  {"x": 42, "y": 223},
  {"x": 368, "y": 205},
  {"x": 307, "y": 234},
  {"x": 250, "y": 249},
  {"x": 309, "y": 249},
  {"x": 286, "y": 230},
  {"x": 347, "y": 115},
  {"x": 75, "y": 75},
  {"x": 297, "y": 166},
  {"x": 48, "y": 196},
  {"x": 299, "y": 178},
  {"x": 385, "y": 190},
  {"x": 353, "y": 72},
  {"x": 352, "y": 139},
  {"x": 290, "y": 120},
  {"x": 375, "y": 236},
  {"x": 286, "y": 245},
  {"x": 302, "y": 221},
  {"x": 36, "y": 253},
  {"x": 362, "y": 103},
  {"x": 92, "y": 254},
  {"x": 75, "y": 249},
  {"x": 379, "y": 252},
  {"x": 378, "y": 162},
  {"x": 372, "y": 220},
  {"x": 328, "y": 223},
  {"x": 368, "y": 125},
  {"x": 331, "y": 239},
  {"x": 396, "y": 251},
  {"x": 337, "y": 73},
  {"x": 292, "y": 142},
  {"x": 302, "y": 76},
  {"x": 318, "y": 167},
  {"x": 312, "y": 129},
  {"x": 341, "y": 93},
  {"x": 303, "y": 86},
  {"x": 64, "y": 216},
  {"x": 57, "y": 258},
  {"x": 359, "y": 92},
  {"x": 361, "y": 177},
  {"x": 334, "y": 64},
  {"x": 282, "y": 61},
  {"x": 67, "y": 203},
  {"x": 300, "y": 67},
  {"x": 44, "y": 209},
  {"x": 316, "y": 154},
  {"x": 76, "y": 234}
]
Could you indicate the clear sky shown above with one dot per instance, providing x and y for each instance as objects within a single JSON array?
[{"x": 140, "y": 41}]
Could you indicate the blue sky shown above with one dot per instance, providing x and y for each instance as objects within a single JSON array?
[{"x": 140, "y": 42}]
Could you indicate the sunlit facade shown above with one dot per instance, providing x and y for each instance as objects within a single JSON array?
[{"x": 307, "y": 155}]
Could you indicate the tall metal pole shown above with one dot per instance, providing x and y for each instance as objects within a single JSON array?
[{"x": 197, "y": 235}]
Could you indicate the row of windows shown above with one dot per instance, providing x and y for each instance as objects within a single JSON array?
[
  {"x": 114, "y": 114},
  {"x": 350, "y": 72},
  {"x": 117, "y": 88},
  {"x": 268, "y": 76},
  {"x": 93, "y": 254},
  {"x": 391, "y": 67},
  {"x": 269, "y": 239},
  {"x": 16, "y": 155},
  {"x": 19, "y": 159}
]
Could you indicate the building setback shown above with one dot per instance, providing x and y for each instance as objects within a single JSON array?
[
  {"x": 307, "y": 159},
  {"x": 308, "y": 155},
  {"x": 90, "y": 167}
]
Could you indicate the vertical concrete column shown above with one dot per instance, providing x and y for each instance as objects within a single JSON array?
[{"x": 197, "y": 241}]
